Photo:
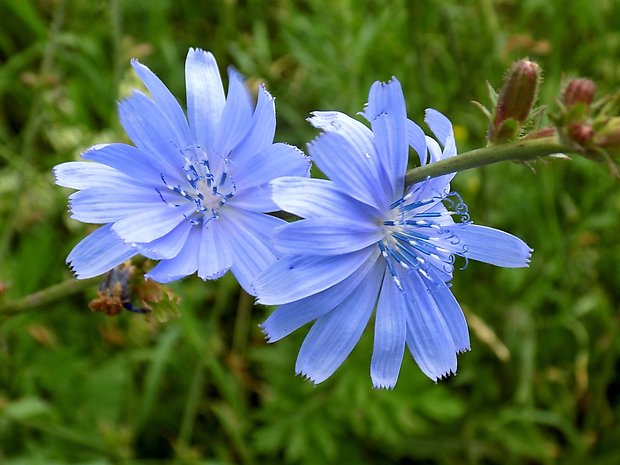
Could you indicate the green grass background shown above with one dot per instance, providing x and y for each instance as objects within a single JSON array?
[{"x": 542, "y": 382}]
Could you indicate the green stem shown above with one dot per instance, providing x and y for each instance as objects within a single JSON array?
[
  {"x": 46, "y": 296},
  {"x": 519, "y": 151}
]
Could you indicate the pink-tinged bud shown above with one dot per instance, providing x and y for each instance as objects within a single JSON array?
[
  {"x": 518, "y": 93},
  {"x": 543, "y": 133},
  {"x": 579, "y": 90},
  {"x": 581, "y": 133}
]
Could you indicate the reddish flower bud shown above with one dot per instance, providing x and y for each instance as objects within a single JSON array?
[
  {"x": 515, "y": 101},
  {"x": 518, "y": 93},
  {"x": 579, "y": 90},
  {"x": 581, "y": 133}
]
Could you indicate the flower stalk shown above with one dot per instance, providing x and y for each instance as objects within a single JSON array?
[{"x": 524, "y": 150}]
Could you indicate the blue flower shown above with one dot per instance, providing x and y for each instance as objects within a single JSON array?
[
  {"x": 366, "y": 242},
  {"x": 193, "y": 192}
]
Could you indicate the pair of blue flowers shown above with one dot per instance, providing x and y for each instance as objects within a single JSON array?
[{"x": 196, "y": 191}]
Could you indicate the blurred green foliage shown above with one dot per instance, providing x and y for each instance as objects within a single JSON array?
[{"x": 542, "y": 382}]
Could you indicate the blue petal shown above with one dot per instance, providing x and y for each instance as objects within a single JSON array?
[
  {"x": 334, "y": 335},
  {"x": 289, "y": 317},
  {"x": 214, "y": 254},
  {"x": 451, "y": 312},
  {"x": 441, "y": 127},
  {"x": 126, "y": 159},
  {"x": 310, "y": 198},
  {"x": 390, "y": 335},
  {"x": 184, "y": 264},
  {"x": 440, "y": 184},
  {"x": 387, "y": 114},
  {"x": 256, "y": 199},
  {"x": 294, "y": 277},
  {"x": 236, "y": 116},
  {"x": 263, "y": 128},
  {"x": 275, "y": 161},
  {"x": 350, "y": 170},
  {"x": 151, "y": 224},
  {"x": 492, "y": 246},
  {"x": 205, "y": 96},
  {"x": 164, "y": 100},
  {"x": 107, "y": 205},
  {"x": 98, "y": 252},
  {"x": 152, "y": 133},
  {"x": 331, "y": 236},
  {"x": 363, "y": 142},
  {"x": 356, "y": 133},
  {"x": 250, "y": 237},
  {"x": 417, "y": 140},
  {"x": 168, "y": 246},
  {"x": 83, "y": 175},
  {"x": 428, "y": 336}
]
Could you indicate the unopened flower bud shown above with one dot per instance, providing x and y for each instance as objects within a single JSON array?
[
  {"x": 518, "y": 93},
  {"x": 581, "y": 133},
  {"x": 579, "y": 90}
]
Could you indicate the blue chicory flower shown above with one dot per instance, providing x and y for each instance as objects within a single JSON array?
[
  {"x": 193, "y": 192},
  {"x": 366, "y": 242}
]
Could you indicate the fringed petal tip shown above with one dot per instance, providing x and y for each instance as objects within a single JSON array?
[
  {"x": 387, "y": 384},
  {"x": 213, "y": 276},
  {"x": 308, "y": 377},
  {"x": 444, "y": 376},
  {"x": 265, "y": 331}
]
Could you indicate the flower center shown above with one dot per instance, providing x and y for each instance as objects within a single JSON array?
[
  {"x": 417, "y": 237},
  {"x": 207, "y": 186}
]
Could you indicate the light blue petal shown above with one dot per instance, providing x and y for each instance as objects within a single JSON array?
[
  {"x": 417, "y": 140},
  {"x": 168, "y": 246},
  {"x": 98, "y": 252},
  {"x": 331, "y": 236},
  {"x": 310, "y": 198},
  {"x": 205, "y": 96},
  {"x": 451, "y": 312},
  {"x": 363, "y": 142},
  {"x": 289, "y": 317},
  {"x": 214, "y": 254},
  {"x": 152, "y": 133},
  {"x": 355, "y": 132},
  {"x": 334, "y": 335},
  {"x": 184, "y": 264},
  {"x": 107, "y": 205},
  {"x": 440, "y": 183},
  {"x": 352, "y": 171},
  {"x": 294, "y": 277},
  {"x": 236, "y": 116},
  {"x": 151, "y": 224},
  {"x": 440, "y": 125},
  {"x": 387, "y": 114},
  {"x": 390, "y": 335},
  {"x": 428, "y": 336},
  {"x": 250, "y": 237},
  {"x": 126, "y": 159},
  {"x": 164, "y": 100},
  {"x": 492, "y": 246},
  {"x": 273, "y": 162},
  {"x": 83, "y": 175},
  {"x": 256, "y": 199},
  {"x": 263, "y": 128}
]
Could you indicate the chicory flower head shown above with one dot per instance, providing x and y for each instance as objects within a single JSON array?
[
  {"x": 192, "y": 191},
  {"x": 365, "y": 242}
]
